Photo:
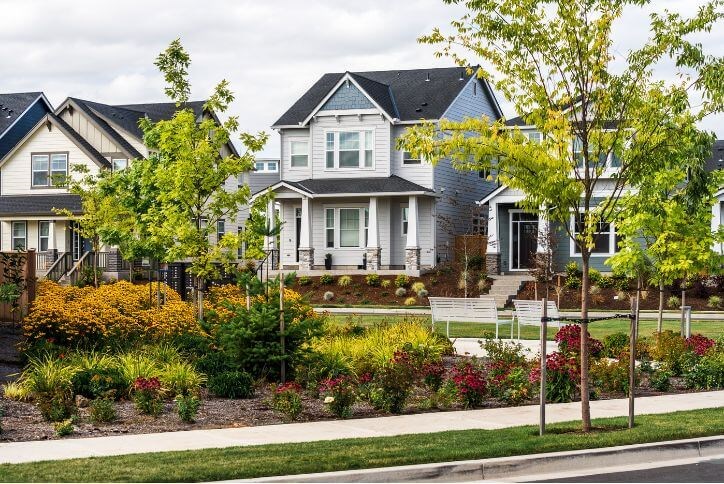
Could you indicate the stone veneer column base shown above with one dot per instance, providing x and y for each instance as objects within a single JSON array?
[
  {"x": 373, "y": 258},
  {"x": 306, "y": 259},
  {"x": 412, "y": 259},
  {"x": 492, "y": 263}
]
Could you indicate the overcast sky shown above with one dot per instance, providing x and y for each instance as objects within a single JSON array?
[{"x": 270, "y": 50}]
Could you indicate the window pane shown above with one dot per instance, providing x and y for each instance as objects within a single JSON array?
[
  {"x": 299, "y": 160},
  {"x": 18, "y": 229},
  {"x": 349, "y": 140},
  {"x": 409, "y": 159},
  {"x": 40, "y": 178},
  {"x": 349, "y": 159},
  {"x": 43, "y": 228},
  {"x": 535, "y": 137},
  {"x": 330, "y": 159},
  {"x": 368, "y": 140},
  {"x": 329, "y": 224},
  {"x": 349, "y": 227},
  {"x": 615, "y": 161},
  {"x": 330, "y": 141},
  {"x": 259, "y": 166},
  {"x": 368, "y": 158},
  {"x": 40, "y": 162},
  {"x": 272, "y": 166},
  {"x": 120, "y": 164},
  {"x": 59, "y": 162},
  {"x": 404, "y": 220}
]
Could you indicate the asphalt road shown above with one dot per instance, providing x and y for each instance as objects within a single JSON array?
[{"x": 705, "y": 471}]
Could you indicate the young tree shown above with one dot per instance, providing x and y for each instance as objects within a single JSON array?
[
  {"x": 189, "y": 169},
  {"x": 554, "y": 60},
  {"x": 665, "y": 223}
]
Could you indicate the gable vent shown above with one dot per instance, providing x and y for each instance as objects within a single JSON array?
[{"x": 427, "y": 79}]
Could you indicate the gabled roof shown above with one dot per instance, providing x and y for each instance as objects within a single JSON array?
[
  {"x": 361, "y": 186},
  {"x": 14, "y": 105},
  {"x": 16, "y": 205},
  {"x": 69, "y": 132},
  {"x": 407, "y": 95}
]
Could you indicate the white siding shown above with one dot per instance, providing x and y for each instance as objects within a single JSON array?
[
  {"x": 289, "y": 173},
  {"x": 83, "y": 126},
  {"x": 16, "y": 171},
  {"x": 420, "y": 174}
]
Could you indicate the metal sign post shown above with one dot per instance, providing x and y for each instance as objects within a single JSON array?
[{"x": 543, "y": 375}]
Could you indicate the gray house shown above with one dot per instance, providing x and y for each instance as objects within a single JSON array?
[{"x": 348, "y": 196}]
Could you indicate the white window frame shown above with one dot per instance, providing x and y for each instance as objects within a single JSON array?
[
  {"x": 298, "y": 141},
  {"x": 13, "y": 237},
  {"x": 114, "y": 162},
  {"x": 220, "y": 224},
  {"x": 531, "y": 134},
  {"x": 266, "y": 165},
  {"x": 611, "y": 240},
  {"x": 327, "y": 228},
  {"x": 42, "y": 237},
  {"x": 408, "y": 160},
  {"x": 404, "y": 219},
  {"x": 363, "y": 225},
  {"x": 365, "y": 134}
]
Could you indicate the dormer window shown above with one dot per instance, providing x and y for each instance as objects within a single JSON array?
[
  {"x": 49, "y": 169},
  {"x": 349, "y": 149}
]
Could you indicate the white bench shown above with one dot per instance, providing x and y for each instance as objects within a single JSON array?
[
  {"x": 529, "y": 313},
  {"x": 465, "y": 310}
]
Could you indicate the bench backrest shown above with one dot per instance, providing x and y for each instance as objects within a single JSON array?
[
  {"x": 463, "y": 309},
  {"x": 530, "y": 312}
]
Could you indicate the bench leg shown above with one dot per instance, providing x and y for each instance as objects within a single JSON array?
[
  {"x": 518, "y": 330},
  {"x": 448, "y": 330},
  {"x": 497, "y": 323},
  {"x": 512, "y": 325}
]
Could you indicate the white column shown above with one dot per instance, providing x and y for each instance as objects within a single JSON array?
[
  {"x": 305, "y": 229},
  {"x": 51, "y": 235},
  {"x": 412, "y": 242},
  {"x": 269, "y": 242},
  {"x": 493, "y": 228},
  {"x": 373, "y": 233}
]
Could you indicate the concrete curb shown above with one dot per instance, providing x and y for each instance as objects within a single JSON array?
[{"x": 510, "y": 467}]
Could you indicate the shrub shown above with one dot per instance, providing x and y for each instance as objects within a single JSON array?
[
  {"x": 187, "y": 407},
  {"x": 699, "y": 344},
  {"x": 402, "y": 280},
  {"x": 660, "y": 380},
  {"x": 507, "y": 371},
  {"x": 147, "y": 396},
  {"x": 714, "y": 302},
  {"x": 476, "y": 262},
  {"x": 231, "y": 384},
  {"x": 326, "y": 279},
  {"x": 417, "y": 287},
  {"x": 287, "y": 400},
  {"x": 610, "y": 376},
  {"x": 671, "y": 350},
  {"x": 561, "y": 375},
  {"x": 373, "y": 280},
  {"x": 707, "y": 373},
  {"x": 568, "y": 338},
  {"x": 394, "y": 382},
  {"x": 386, "y": 283},
  {"x": 214, "y": 363},
  {"x": 113, "y": 313},
  {"x": 181, "y": 378},
  {"x": 444, "y": 397},
  {"x": 251, "y": 336},
  {"x": 517, "y": 387},
  {"x": 134, "y": 365},
  {"x": 102, "y": 410},
  {"x": 304, "y": 281},
  {"x": 433, "y": 374},
  {"x": 673, "y": 302},
  {"x": 410, "y": 301},
  {"x": 422, "y": 293},
  {"x": 344, "y": 281},
  {"x": 595, "y": 277},
  {"x": 50, "y": 383},
  {"x": 328, "y": 296},
  {"x": 401, "y": 292},
  {"x": 97, "y": 376},
  {"x": 573, "y": 282},
  {"x": 614, "y": 344},
  {"x": 339, "y": 395},
  {"x": 64, "y": 427},
  {"x": 470, "y": 381}
]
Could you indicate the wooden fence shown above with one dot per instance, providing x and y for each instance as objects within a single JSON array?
[{"x": 27, "y": 264}]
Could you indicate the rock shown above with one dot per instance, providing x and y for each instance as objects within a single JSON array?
[{"x": 81, "y": 401}]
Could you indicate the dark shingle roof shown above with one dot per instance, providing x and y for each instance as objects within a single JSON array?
[
  {"x": 80, "y": 141},
  {"x": 408, "y": 95},
  {"x": 716, "y": 161},
  {"x": 517, "y": 121},
  {"x": 329, "y": 186},
  {"x": 38, "y": 204},
  {"x": 13, "y": 105}
]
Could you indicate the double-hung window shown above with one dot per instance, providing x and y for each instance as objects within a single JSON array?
[
  {"x": 604, "y": 239},
  {"x": 19, "y": 235},
  {"x": 346, "y": 227},
  {"x": 349, "y": 149},
  {"x": 349, "y": 227},
  {"x": 49, "y": 169},
  {"x": 409, "y": 159},
  {"x": 404, "y": 220},
  {"x": 299, "y": 152},
  {"x": 43, "y": 235},
  {"x": 220, "y": 230},
  {"x": 329, "y": 226}
]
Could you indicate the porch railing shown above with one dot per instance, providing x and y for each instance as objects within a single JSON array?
[
  {"x": 86, "y": 261},
  {"x": 60, "y": 267}
]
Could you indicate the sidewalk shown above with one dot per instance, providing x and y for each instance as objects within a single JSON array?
[{"x": 494, "y": 418}]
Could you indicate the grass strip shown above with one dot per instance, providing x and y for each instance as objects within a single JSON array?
[{"x": 336, "y": 455}]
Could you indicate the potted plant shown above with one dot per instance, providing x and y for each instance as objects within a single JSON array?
[{"x": 328, "y": 262}]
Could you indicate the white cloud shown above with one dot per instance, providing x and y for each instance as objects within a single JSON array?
[{"x": 270, "y": 51}]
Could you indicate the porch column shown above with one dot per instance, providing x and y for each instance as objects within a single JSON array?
[
  {"x": 412, "y": 249},
  {"x": 373, "y": 237},
  {"x": 492, "y": 253},
  {"x": 52, "y": 254},
  {"x": 306, "y": 251},
  {"x": 270, "y": 241}
]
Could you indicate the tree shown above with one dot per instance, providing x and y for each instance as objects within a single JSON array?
[
  {"x": 665, "y": 223},
  {"x": 189, "y": 168},
  {"x": 554, "y": 60}
]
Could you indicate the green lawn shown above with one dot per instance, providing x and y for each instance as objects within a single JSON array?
[
  {"x": 599, "y": 329},
  {"x": 268, "y": 460}
]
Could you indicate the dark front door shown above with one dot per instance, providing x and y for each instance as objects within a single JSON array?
[
  {"x": 524, "y": 240},
  {"x": 298, "y": 228}
]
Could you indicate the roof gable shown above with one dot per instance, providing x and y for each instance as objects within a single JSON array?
[
  {"x": 14, "y": 105},
  {"x": 347, "y": 96}
]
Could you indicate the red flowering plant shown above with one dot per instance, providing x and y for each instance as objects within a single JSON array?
[
  {"x": 287, "y": 400},
  {"x": 562, "y": 376},
  {"x": 470, "y": 382},
  {"x": 393, "y": 383},
  {"x": 507, "y": 370},
  {"x": 147, "y": 395},
  {"x": 569, "y": 341},
  {"x": 339, "y": 395},
  {"x": 699, "y": 344},
  {"x": 433, "y": 374}
]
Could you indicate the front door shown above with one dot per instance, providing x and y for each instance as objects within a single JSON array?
[
  {"x": 79, "y": 244},
  {"x": 298, "y": 229},
  {"x": 523, "y": 240}
]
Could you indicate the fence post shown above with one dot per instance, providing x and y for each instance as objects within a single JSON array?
[{"x": 543, "y": 373}]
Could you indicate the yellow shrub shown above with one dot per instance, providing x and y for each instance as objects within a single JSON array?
[{"x": 68, "y": 315}]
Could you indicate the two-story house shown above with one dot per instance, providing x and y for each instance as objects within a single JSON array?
[
  {"x": 348, "y": 195},
  {"x": 32, "y": 172}
]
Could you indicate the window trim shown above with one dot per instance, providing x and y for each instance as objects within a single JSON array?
[
  {"x": 612, "y": 248},
  {"x": 41, "y": 237},
  {"x": 219, "y": 222},
  {"x": 291, "y": 143},
  {"x": 113, "y": 164},
  {"x": 363, "y": 131},
  {"x": 24, "y": 237},
  {"x": 50, "y": 155},
  {"x": 266, "y": 164}
]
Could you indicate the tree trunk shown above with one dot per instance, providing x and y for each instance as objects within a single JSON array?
[
  {"x": 660, "y": 319},
  {"x": 585, "y": 300}
]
